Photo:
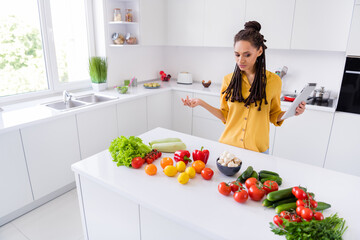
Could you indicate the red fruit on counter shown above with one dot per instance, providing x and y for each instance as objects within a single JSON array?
[
  {"x": 207, "y": 173},
  {"x": 202, "y": 155},
  {"x": 137, "y": 162},
  {"x": 161, "y": 72},
  {"x": 224, "y": 188},
  {"x": 241, "y": 196},
  {"x": 182, "y": 155}
]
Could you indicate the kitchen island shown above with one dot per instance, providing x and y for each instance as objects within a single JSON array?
[{"x": 125, "y": 203}]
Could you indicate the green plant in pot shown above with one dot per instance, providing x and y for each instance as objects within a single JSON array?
[{"x": 98, "y": 73}]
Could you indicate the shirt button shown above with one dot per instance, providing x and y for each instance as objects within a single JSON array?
[
  {"x": 243, "y": 129},
  {"x": 245, "y": 118},
  {"x": 247, "y": 107},
  {"x": 241, "y": 140}
]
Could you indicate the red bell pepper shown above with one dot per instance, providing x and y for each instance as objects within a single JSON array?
[
  {"x": 182, "y": 155},
  {"x": 201, "y": 154}
]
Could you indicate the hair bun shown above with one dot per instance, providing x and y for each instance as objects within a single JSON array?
[{"x": 253, "y": 25}]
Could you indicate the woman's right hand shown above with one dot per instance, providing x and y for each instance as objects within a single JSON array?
[{"x": 191, "y": 102}]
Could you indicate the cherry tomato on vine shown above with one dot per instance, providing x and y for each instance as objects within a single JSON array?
[
  {"x": 224, "y": 188},
  {"x": 256, "y": 193},
  {"x": 295, "y": 218},
  {"x": 277, "y": 220},
  {"x": 300, "y": 203},
  {"x": 241, "y": 196},
  {"x": 300, "y": 194},
  {"x": 235, "y": 185},
  {"x": 250, "y": 181},
  {"x": 313, "y": 203},
  {"x": 270, "y": 186},
  {"x": 307, "y": 214},
  {"x": 318, "y": 216},
  {"x": 299, "y": 209},
  {"x": 285, "y": 215},
  {"x": 207, "y": 173}
]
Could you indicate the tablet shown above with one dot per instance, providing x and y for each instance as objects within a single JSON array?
[{"x": 303, "y": 96}]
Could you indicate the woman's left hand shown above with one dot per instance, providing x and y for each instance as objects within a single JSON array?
[{"x": 300, "y": 109}]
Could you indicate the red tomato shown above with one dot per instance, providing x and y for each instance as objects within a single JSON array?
[
  {"x": 207, "y": 173},
  {"x": 313, "y": 203},
  {"x": 294, "y": 190},
  {"x": 285, "y": 215},
  {"x": 241, "y": 196},
  {"x": 270, "y": 186},
  {"x": 299, "y": 209},
  {"x": 318, "y": 216},
  {"x": 149, "y": 160},
  {"x": 295, "y": 218},
  {"x": 159, "y": 154},
  {"x": 250, "y": 181},
  {"x": 300, "y": 203},
  {"x": 307, "y": 214},
  {"x": 277, "y": 220},
  {"x": 300, "y": 194},
  {"x": 137, "y": 162},
  {"x": 235, "y": 185},
  {"x": 256, "y": 193},
  {"x": 224, "y": 188}
]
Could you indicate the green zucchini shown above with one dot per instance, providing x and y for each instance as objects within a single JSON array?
[
  {"x": 281, "y": 194},
  {"x": 247, "y": 173},
  {"x": 288, "y": 200},
  {"x": 169, "y": 147},
  {"x": 255, "y": 175},
  {"x": 322, "y": 206},
  {"x": 164, "y": 140},
  {"x": 285, "y": 207},
  {"x": 267, "y": 203},
  {"x": 269, "y": 172},
  {"x": 277, "y": 179}
]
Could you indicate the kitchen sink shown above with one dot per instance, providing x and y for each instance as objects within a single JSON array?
[
  {"x": 70, "y": 104},
  {"x": 93, "y": 98}
]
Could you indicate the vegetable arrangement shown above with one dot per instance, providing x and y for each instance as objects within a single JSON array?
[{"x": 168, "y": 145}]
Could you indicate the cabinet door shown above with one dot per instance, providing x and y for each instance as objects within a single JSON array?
[
  {"x": 132, "y": 119},
  {"x": 15, "y": 186},
  {"x": 322, "y": 24},
  {"x": 272, "y": 134},
  {"x": 185, "y": 22},
  {"x": 354, "y": 36},
  {"x": 275, "y": 17},
  {"x": 304, "y": 138},
  {"x": 97, "y": 128},
  {"x": 152, "y": 22},
  {"x": 344, "y": 145},
  {"x": 159, "y": 110},
  {"x": 182, "y": 115},
  {"x": 222, "y": 21},
  {"x": 50, "y": 149},
  {"x": 207, "y": 128}
]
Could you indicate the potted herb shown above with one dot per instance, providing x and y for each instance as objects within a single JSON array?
[{"x": 98, "y": 73}]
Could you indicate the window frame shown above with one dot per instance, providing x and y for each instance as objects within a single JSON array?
[{"x": 51, "y": 67}]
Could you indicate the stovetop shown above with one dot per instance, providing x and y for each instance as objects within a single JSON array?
[{"x": 316, "y": 102}]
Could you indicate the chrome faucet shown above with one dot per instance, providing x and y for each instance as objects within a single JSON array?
[{"x": 66, "y": 96}]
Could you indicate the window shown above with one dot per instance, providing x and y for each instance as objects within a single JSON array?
[{"x": 44, "y": 46}]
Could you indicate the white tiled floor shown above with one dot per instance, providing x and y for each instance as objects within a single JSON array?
[{"x": 58, "y": 219}]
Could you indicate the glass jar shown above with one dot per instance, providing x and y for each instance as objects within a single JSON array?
[
  {"x": 128, "y": 15},
  {"x": 117, "y": 15}
]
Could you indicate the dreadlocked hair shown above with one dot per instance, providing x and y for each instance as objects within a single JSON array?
[{"x": 233, "y": 92}]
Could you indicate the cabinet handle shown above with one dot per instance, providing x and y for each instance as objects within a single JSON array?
[{"x": 353, "y": 72}]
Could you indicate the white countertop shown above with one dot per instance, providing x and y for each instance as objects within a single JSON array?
[
  {"x": 21, "y": 115},
  {"x": 199, "y": 206}
]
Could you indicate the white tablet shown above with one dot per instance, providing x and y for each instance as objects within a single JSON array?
[{"x": 304, "y": 94}]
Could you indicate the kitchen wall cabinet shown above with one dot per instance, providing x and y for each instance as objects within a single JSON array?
[
  {"x": 185, "y": 22},
  {"x": 321, "y": 24},
  {"x": 50, "y": 149},
  {"x": 182, "y": 115},
  {"x": 353, "y": 47},
  {"x": 96, "y": 128},
  {"x": 222, "y": 21},
  {"x": 159, "y": 110},
  {"x": 344, "y": 145},
  {"x": 275, "y": 17},
  {"x": 132, "y": 117},
  {"x": 304, "y": 138},
  {"x": 15, "y": 188}
]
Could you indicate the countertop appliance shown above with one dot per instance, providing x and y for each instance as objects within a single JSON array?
[
  {"x": 184, "y": 78},
  {"x": 349, "y": 98}
]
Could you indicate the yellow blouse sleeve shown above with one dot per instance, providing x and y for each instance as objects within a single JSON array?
[
  {"x": 223, "y": 103},
  {"x": 275, "y": 109}
]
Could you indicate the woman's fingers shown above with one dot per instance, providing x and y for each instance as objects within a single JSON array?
[{"x": 301, "y": 108}]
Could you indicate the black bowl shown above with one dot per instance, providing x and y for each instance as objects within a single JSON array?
[{"x": 228, "y": 171}]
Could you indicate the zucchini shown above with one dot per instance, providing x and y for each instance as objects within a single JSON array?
[
  {"x": 281, "y": 194},
  {"x": 255, "y": 175},
  {"x": 247, "y": 173},
  {"x": 164, "y": 140},
  {"x": 269, "y": 172},
  {"x": 285, "y": 207},
  {"x": 278, "y": 180},
  {"x": 267, "y": 203},
  {"x": 322, "y": 206},
  {"x": 288, "y": 200},
  {"x": 169, "y": 147}
]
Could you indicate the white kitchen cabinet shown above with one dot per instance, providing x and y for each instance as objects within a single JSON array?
[
  {"x": 159, "y": 110},
  {"x": 202, "y": 112},
  {"x": 185, "y": 22},
  {"x": 304, "y": 138},
  {"x": 207, "y": 128},
  {"x": 275, "y": 17},
  {"x": 96, "y": 128},
  {"x": 272, "y": 133},
  {"x": 132, "y": 117},
  {"x": 344, "y": 145},
  {"x": 322, "y": 24},
  {"x": 353, "y": 47},
  {"x": 50, "y": 149},
  {"x": 153, "y": 22},
  {"x": 222, "y": 21},
  {"x": 15, "y": 188},
  {"x": 182, "y": 115}
]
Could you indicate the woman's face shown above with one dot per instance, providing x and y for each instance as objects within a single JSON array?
[{"x": 246, "y": 55}]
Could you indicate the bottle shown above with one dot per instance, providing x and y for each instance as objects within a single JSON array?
[
  {"x": 128, "y": 15},
  {"x": 117, "y": 15}
]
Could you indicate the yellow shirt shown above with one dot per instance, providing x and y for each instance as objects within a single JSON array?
[{"x": 246, "y": 127}]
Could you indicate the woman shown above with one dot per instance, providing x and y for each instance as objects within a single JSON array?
[{"x": 250, "y": 96}]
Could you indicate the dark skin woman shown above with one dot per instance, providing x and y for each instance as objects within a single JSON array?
[{"x": 250, "y": 96}]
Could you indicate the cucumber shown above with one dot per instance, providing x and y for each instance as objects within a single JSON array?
[
  {"x": 240, "y": 179},
  {"x": 288, "y": 200},
  {"x": 322, "y": 206},
  {"x": 278, "y": 180},
  {"x": 169, "y": 147},
  {"x": 164, "y": 140},
  {"x": 281, "y": 194},
  {"x": 267, "y": 203},
  {"x": 285, "y": 207},
  {"x": 247, "y": 173},
  {"x": 255, "y": 175},
  {"x": 269, "y": 172}
]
